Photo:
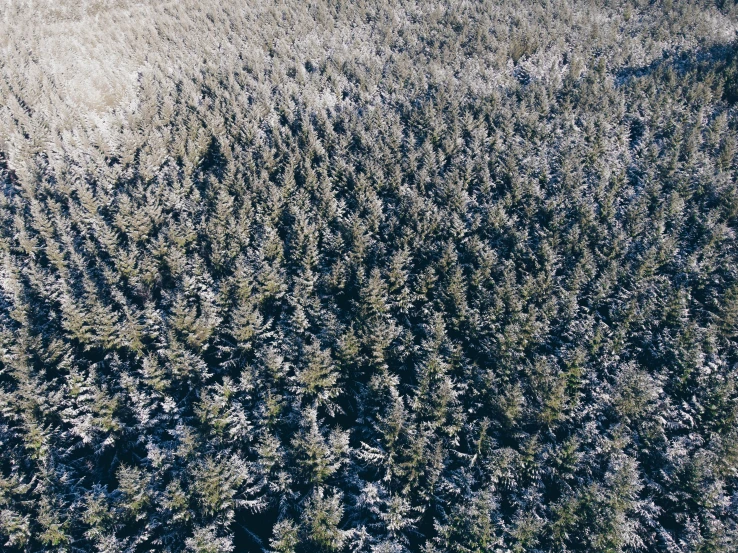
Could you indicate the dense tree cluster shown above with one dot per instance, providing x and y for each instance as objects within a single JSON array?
[{"x": 378, "y": 277}]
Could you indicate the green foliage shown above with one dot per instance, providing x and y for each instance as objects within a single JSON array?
[
  {"x": 321, "y": 519},
  {"x": 286, "y": 537},
  {"x": 375, "y": 277}
]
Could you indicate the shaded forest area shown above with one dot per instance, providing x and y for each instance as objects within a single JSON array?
[{"x": 383, "y": 277}]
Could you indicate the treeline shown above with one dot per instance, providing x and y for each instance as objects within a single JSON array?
[{"x": 434, "y": 277}]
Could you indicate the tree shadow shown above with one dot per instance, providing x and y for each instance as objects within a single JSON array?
[
  {"x": 8, "y": 178},
  {"x": 719, "y": 58}
]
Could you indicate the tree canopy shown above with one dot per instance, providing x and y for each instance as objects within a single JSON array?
[{"x": 377, "y": 277}]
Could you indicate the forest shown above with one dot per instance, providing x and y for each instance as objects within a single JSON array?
[{"x": 438, "y": 276}]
